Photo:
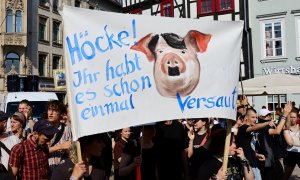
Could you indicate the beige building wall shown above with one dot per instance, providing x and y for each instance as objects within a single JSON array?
[
  {"x": 45, "y": 51},
  {"x": 13, "y": 38}
]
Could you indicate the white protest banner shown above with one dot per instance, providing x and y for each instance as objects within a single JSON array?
[{"x": 125, "y": 70}]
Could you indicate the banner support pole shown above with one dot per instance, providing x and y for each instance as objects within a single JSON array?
[
  {"x": 79, "y": 155},
  {"x": 227, "y": 145}
]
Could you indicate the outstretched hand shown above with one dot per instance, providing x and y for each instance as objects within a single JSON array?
[{"x": 287, "y": 108}]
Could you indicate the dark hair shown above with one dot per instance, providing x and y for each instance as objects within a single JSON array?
[
  {"x": 118, "y": 133},
  {"x": 250, "y": 110},
  {"x": 217, "y": 141},
  {"x": 57, "y": 105},
  {"x": 25, "y": 101},
  {"x": 87, "y": 140}
]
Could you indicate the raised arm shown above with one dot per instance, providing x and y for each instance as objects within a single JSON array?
[
  {"x": 257, "y": 127},
  {"x": 286, "y": 111}
]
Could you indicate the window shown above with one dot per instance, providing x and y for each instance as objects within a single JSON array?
[
  {"x": 276, "y": 101},
  {"x": 9, "y": 21},
  {"x": 43, "y": 29},
  {"x": 272, "y": 38},
  {"x": 12, "y": 60},
  {"x": 42, "y": 63},
  {"x": 207, "y": 7},
  {"x": 18, "y": 21},
  {"x": 44, "y": 3},
  {"x": 224, "y": 5},
  {"x": 298, "y": 34},
  {"x": 136, "y": 11},
  {"x": 77, "y": 3},
  {"x": 55, "y": 63},
  {"x": 55, "y": 5},
  {"x": 167, "y": 8},
  {"x": 56, "y": 38}
]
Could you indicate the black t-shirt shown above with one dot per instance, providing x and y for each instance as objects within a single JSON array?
[
  {"x": 200, "y": 154},
  {"x": 244, "y": 140},
  {"x": 132, "y": 148},
  {"x": 64, "y": 171},
  {"x": 149, "y": 160},
  {"x": 266, "y": 146},
  {"x": 171, "y": 140},
  {"x": 211, "y": 167}
]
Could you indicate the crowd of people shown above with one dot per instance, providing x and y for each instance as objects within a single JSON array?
[{"x": 262, "y": 146}]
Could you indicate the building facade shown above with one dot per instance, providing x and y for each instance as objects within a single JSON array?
[
  {"x": 32, "y": 42},
  {"x": 276, "y": 44},
  {"x": 222, "y": 10},
  {"x": 45, "y": 39},
  {"x": 13, "y": 39}
]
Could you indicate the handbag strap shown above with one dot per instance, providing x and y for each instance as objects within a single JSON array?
[
  {"x": 59, "y": 135},
  {"x": 204, "y": 139},
  {"x": 4, "y": 147}
]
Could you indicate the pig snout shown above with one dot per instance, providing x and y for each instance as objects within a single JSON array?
[{"x": 172, "y": 65}]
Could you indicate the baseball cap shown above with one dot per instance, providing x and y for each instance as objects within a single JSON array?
[
  {"x": 44, "y": 127},
  {"x": 264, "y": 112},
  {"x": 3, "y": 116}
]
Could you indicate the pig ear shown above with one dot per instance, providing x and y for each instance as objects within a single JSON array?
[
  {"x": 142, "y": 46},
  {"x": 199, "y": 41}
]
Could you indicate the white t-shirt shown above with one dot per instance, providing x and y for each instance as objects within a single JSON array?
[
  {"x": 294, "y": 148},
  {"x": 9, "y": 140}
]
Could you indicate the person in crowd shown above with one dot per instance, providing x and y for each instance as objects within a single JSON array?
[
  {"x": 239, "y": 122},
  {"x": 188, "y": 124},
  {"x": 291, "y": 135},
  {"x": 91, "y": 147},
  {"x": 29, "y": 159},
  {"x": 294, "y": 106},
  {"x": 247, "y": 139},
  {"x": 172, "y": 141},
  {"x": 238, "y": 167},
  {"x": 121, "y": 140},
  {"x": 22, "y": 108},
  {"x": 242, "y": 104},
  {"x": 61, "y": 142},
  {"x": 18, "y": 122},
  {"x": 7, "y": 141},
  {"x": 278, "y": 113},
  {"x": 66, "y": 117},
  {"x": 198, "y": 136},
  {"x": 271, "y": 168},
  {"x": 133, "y": 157},
  {"x": 25, "y": 107},
  {"x": 105, "y": 160}
]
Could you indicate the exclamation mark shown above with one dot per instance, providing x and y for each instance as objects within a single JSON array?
[{"x": 134, "y": 31}]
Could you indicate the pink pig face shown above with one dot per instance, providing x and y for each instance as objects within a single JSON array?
[{"x": 176, "y": 66}]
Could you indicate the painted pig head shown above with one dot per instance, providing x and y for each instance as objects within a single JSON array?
[{"x": 176, "y": 66}]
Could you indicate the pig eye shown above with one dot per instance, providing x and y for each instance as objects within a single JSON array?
[
  {"x": 183, "y": 51},
  {"x": 160, "y": 51}
]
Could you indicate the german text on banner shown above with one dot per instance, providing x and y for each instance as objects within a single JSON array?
[{"x": 126, "y": 70}]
